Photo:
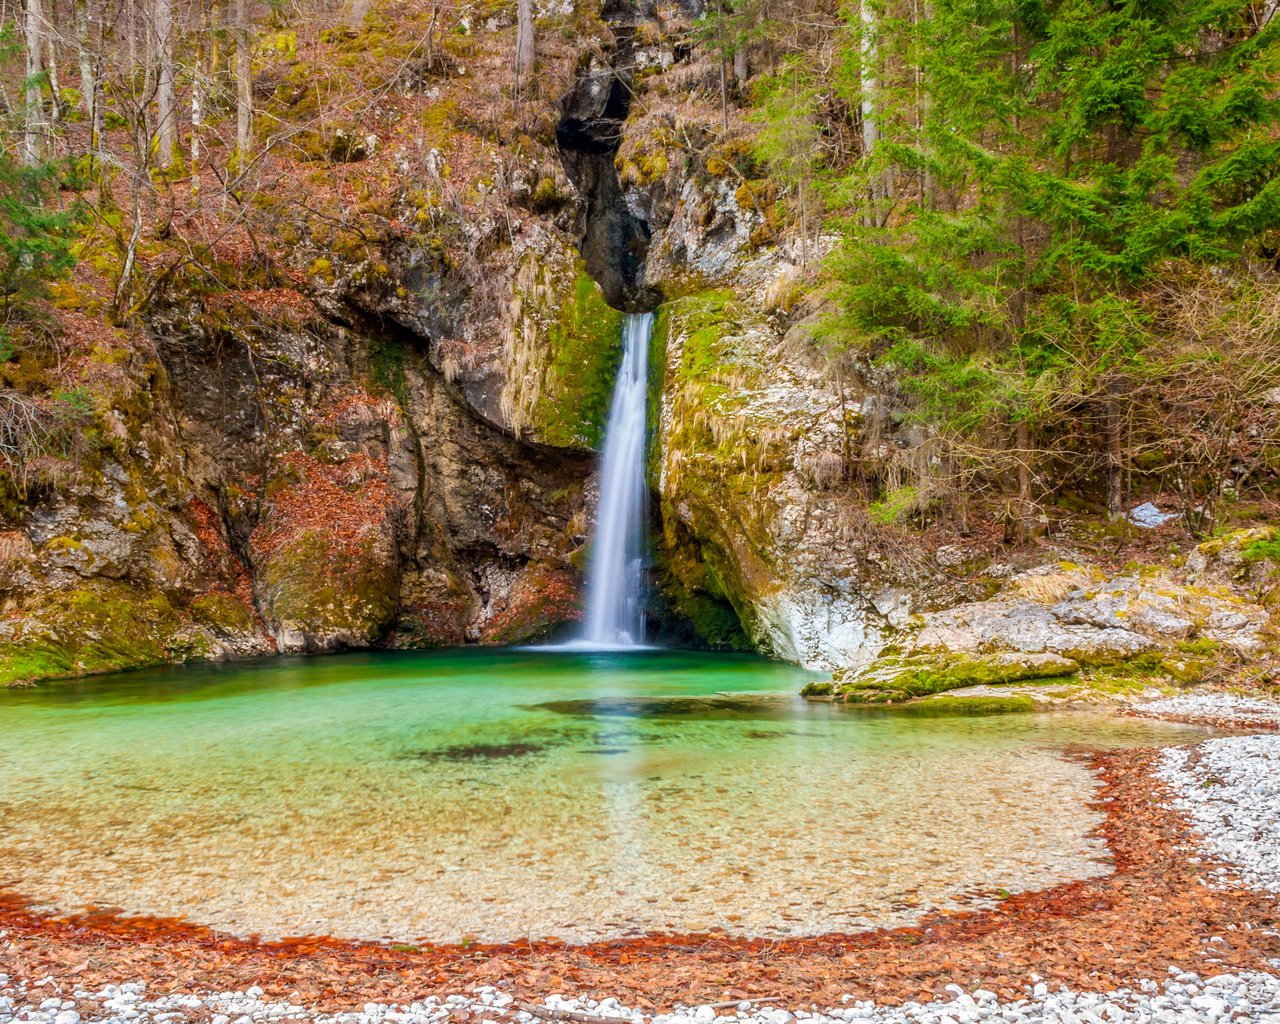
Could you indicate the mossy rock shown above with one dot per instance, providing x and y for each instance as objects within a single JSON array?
[
  {"x": 983, "y": 705},
  {"x": 543, "y": 598},
  {"x": 321, "y": 595},
  {"x": 900, "y": 678},
  {"x": 566, "y": 349},
  {"x": 224, "y": 613},
  {"x": 108, "y": 626},
  {"x": 586, "y": 349}
]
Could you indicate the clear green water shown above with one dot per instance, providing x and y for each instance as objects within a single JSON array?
[{"x": 508, "y": 794}]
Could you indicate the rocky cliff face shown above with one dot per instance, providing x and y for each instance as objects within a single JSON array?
[
  {"x": 379, "y": 435},
  {"x": 382, "y": 433}
]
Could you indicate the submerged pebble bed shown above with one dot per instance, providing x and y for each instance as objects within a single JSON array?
[{"x": 1230, "y": 789}]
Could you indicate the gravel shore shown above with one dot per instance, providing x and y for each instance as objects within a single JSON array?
[
  {"x": 1182, "y": 998},
  {"x": 1228, "y": 789},
  {"x": 1214, "y": 709}
]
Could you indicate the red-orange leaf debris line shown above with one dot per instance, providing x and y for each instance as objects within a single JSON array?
[{"x": 1151, "y": 913}]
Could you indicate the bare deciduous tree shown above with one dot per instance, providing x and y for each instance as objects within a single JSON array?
[
  {"x": 524, "y": 45},
  {"x": 244, "y": 79},
  {"x": 166, "y": 74},
  {"x": 33, "y": 102},
  {"x": 88, "y": 25}
]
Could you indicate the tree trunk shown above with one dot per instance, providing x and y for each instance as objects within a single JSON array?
[
  {"x": 244, "y": 81},
  {"x": 1026, "y": 504},
  {"x": 197, "y": 116},
  {"x": 870, "y": 129},
  {"x": 166, "y": 101},
  {"x": 1114, "y": 452},
  {"x": 742, "y": 65},
  {"x": 90, "y": 81},
  {"x": 524, "y": 46},
  {"x": 33, "y": 102},
  {"x": 355, "y": 18},
  {"x": 51, "y": 37},
  {"x": 131, "y": 33}
]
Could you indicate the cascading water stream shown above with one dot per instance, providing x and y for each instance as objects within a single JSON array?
[{"x": 615, "y": 613}]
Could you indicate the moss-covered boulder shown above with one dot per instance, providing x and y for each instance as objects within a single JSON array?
[
  {"x": 895, "y": 677},
  {"x": 101, "y": 626},
  {"x": 946, "y": 705},
  {"x": 325, "y": 558}
]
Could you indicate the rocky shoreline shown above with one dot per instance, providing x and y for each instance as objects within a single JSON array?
[{"x": 1187, "y": 928}]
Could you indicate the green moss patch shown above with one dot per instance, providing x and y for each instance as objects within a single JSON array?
[
  {"x": 895, "y": 677},
  {"x": 946, "y": 706},
  {"x": 1262, "y": 550},
  {"x": 586, "y": 348},
  {"x": 223, "y": 612},
  {"x": 107, "y": 627}
]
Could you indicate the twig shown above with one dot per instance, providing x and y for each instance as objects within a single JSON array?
[
  {"x": 547, "y": 1013},
  {"x": 730, "y": 1003}
]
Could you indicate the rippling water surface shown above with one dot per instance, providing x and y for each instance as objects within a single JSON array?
[{"x": 507, "y": 794}]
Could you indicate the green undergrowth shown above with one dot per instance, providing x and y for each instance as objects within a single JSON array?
[{"x": 1262, "y": 550}]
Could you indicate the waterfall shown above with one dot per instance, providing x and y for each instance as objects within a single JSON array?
[{"x": 615, "y": 615}]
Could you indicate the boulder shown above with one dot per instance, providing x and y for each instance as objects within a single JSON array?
[
  {"x": 897, "y": 677},
  {"x": 325, "y": 559},
  {"x": 1028, "y": 627}
]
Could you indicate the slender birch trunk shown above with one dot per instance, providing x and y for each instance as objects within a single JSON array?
[
  {"x": 90, "y": 81},
  {"x": 524, "y": 48},
  {"x": 197, "y": 117},
  {"x": 244, "y": 81},
  {"x": 166, "y": 74},
  {"x": 870, "y": 126},
  {"x": 51, "y": 63},
  {"x": 33, "y": 102},
  {"x": 355, "y": 18}
]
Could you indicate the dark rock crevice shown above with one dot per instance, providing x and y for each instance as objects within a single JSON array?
[{"x": 614, "y": 240}]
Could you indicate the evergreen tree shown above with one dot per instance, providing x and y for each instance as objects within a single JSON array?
[{"x": 1073, "y": 152}]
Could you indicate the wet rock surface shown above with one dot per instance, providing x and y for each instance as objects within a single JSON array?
[{"x": 615, "y": 239}]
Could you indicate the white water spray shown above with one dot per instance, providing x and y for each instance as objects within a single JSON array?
[{"x": 615, "y": 579}]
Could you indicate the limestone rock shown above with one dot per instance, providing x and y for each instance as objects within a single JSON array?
[
  {"x": 324, "y": 556},
  {"x": 1025, "y": 626}
]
